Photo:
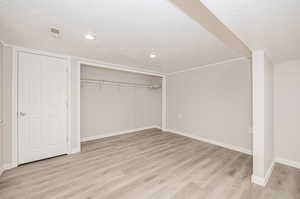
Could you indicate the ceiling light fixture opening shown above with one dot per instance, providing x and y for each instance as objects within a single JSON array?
[
  {"x": 152, "y": 55},
  {"x": 90, "y": 36}
]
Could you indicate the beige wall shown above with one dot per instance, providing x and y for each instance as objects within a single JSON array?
[
  {"x": 110, "y": 109},
  {"x": 287, "y": 111},
  {"x": 212, "y": 103}
]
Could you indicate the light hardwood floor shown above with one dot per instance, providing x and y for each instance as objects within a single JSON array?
[{"x": 147, "y": 165}]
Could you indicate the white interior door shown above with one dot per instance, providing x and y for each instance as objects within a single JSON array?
[{"x": 42, "y": 108}]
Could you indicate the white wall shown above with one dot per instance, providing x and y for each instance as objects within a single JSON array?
[
  {"x": 263, "y": 150},
  {"x": 111, "y": 109},
  {"x": 1, "y": 107},
  {"x": 269, "y": 128},
  {"x": 75, "y": 95},
  {"x": 212, "y": 103},
  {"x": 7, "y": 97},
  {"x": 75, "y": 106},
  {"x": 287, "y": 111}
]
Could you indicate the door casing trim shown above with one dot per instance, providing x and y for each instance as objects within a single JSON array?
[{"x": 14, "y": 144}]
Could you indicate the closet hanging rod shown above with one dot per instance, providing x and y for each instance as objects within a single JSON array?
[{"x": 118, "y": 83}]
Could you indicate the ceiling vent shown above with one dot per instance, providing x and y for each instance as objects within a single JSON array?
[{"x": 55, "y": 32}]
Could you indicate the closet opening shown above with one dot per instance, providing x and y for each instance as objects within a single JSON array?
[{"x": 115, "y": 102}]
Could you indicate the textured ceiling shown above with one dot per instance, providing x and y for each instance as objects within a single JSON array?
[{"x": 127, "y": 31}]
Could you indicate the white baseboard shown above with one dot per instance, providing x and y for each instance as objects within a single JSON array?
[
  {"x": 1, "y": 170},
  {"x": 269, "y": 172},
  {"x": 228, "y": 146},
  {"x": 118, "y": 133},
  {"x": 290, "y": 163},
  {"x": 8, "y": 166},
  {"x": 76, "y": 150},
  {"x": 263, "y": 181},
  {"x": 258, "y": 180}
]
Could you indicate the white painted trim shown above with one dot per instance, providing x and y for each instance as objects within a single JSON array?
[
  {"x": 117, "y": 67},
  {"x": 208, "y": 65},
  {"x": 263, "y": 181},
  {"x": 290, "y": 163},
  {"x": 121, "y": 67},
  {"x": 1, "y": 171},
  {"x": 14, "y": 104},
  {"x": 228, "y": 146},
  {"x": 118, "y": 133},
  {"x": 258, "y": 180},
  {"x": 16, "y": 50},
  {"x": 78, "y": 107},
  {"x": 38, "y": 52},
  {"x": 76, "y": 150},
  {"x": 164, "y": 103},
  {"x": 69, "y": 113},
  {"x": 93, "y": 62},
  {"x": 269, "y": 172},
  {"x": 8, "y": 166}
]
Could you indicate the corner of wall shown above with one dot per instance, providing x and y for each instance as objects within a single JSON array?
[
  {"x": 75, "y": 150},
  {"x": 224, "y": 145},
  {"x": 263, "y": 181}
]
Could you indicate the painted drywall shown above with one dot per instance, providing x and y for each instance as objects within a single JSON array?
[
  {"x": 126, "y": 32},
  {"x": 107, "y": 109},
  {"x": 7, "y": 103},
  {"x": 269, "y": 130},
  {"x": 75, "y": 94},
  {"x": 75, "y": 106},
  {"x": 212, "y": 103},
  {"x": 262, "y": 24},
  {"x": 263, "y": 135},
  {"x": 1, "y": 107},
  {"x": 287, "y": 111},
  {"x": 258, "y": 113},
  {"x": 7, "y": 111}
]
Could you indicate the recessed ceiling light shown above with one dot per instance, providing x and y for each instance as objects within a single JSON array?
[
  {"x": 90, "y": 36},
  {"x": 152, "y": 55}
]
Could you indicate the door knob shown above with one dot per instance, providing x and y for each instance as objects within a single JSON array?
[
  {"x": 22, "y": 114},
  {"x": 1, "y": 122}
]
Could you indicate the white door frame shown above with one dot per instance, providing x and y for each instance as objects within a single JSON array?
[
  {"x": 16, "y": 50},
  {"x": 132, "y": 70}
]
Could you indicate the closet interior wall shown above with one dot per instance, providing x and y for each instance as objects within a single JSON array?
[
  {"x": 1, "y": 107},
  {"x": 109, "y": 108}
]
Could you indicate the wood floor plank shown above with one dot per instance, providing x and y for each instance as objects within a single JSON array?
[{"x": 149, "y": 164}]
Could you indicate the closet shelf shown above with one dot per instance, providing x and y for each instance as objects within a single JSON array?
[{"x": 117, "y": 83}]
